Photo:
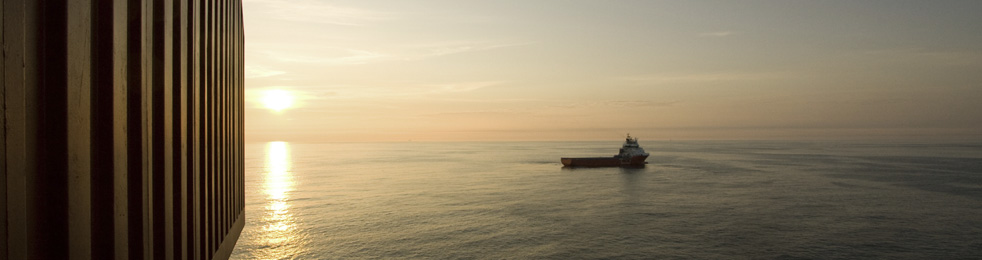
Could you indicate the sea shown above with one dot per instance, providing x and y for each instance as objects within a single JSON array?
[{"x": 693, "y": 200}]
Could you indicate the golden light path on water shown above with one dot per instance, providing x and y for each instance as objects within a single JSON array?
[{"x": 280, "y": 234}]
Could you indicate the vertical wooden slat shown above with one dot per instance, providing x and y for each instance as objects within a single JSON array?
[
  {"x": 161, "y": 129},
  {"x": 108, "y": 109},
  {"x": 240, "y": 99},
  {"x": 168, "y": 100},
  {"x": 233, "y": 147},
  {"x": 157, "y": 128},
  {"x": 189, "y": 9},
  {"x": 200, "y": 248},
  {"x": 240, "y": 161},
  {"x": 229, "y": 117},
  {"x": 209, "y": 129},
  {"x": 148, "y": 127},
  {"x": 79, "y": 136},
  {"x": 11, "y": 41},
  {"x": 135, "y": 133},
  {"x": 179, "y": 192},
  {"x": 18, "y": 125},
  {"x": 219, "y": 156},
  {"x": 3, "y": 142},
  {"x": 196, "y": 124},
  {"x": 121, "y": 114},
  {"x": 222, "y": 216}
]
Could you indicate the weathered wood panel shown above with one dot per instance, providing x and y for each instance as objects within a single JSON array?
[{"x": 121, "y": 129}]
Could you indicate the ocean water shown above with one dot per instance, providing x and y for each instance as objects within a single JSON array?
[{"x": 694, "y": 200}]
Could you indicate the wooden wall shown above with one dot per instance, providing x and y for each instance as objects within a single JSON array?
[{"x": 121, "y": 129}]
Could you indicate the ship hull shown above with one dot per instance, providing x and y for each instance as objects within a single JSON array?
[{"x": 633, "y": 161}]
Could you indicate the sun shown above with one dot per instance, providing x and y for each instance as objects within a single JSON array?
[{"x": 277, "y": 99}]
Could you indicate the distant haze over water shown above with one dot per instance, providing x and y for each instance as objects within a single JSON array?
[{"x": 694, "y": 200}]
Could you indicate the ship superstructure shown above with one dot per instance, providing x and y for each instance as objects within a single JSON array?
[{"x": 630, "y": 155}]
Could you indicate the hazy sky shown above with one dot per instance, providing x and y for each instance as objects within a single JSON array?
[{"x": 453, "y": 70}]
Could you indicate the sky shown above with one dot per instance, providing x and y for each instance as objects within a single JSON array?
[{"x": 551, "y": 70}]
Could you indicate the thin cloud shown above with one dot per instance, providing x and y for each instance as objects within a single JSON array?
[
  {"x": 478, "y": 113},
  {"x": 460, "y": 86},
  {"x": 616, "y": 104},
  {"x": 718, "y": 34},
  {"x": 321, "y": 54},
  {"x": 393, "y": 90},
  {"x": 330, "y": 55},
  {"x": 437, "y": 49},
  {"x": 308, "y": 11},
  {"x": 924, "y": 56},
  {"x": 700, "y": 77},
  {"x": 259, "y": 71},
  {"x": 639, "y": 103}
]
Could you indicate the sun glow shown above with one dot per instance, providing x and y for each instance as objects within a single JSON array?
[{"x": 277, "y": 99}]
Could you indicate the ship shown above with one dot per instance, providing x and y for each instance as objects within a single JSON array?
[{"x": 631, "y": 155}]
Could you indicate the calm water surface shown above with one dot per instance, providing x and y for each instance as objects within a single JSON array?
[{"x": 695, "y": 199}]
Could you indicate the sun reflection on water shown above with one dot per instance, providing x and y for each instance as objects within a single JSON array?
[{"x": 280, "y": 235}]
